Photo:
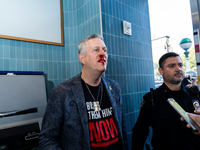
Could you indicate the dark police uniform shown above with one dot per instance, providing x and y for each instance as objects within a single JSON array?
[{"x": 169, "y": 132}]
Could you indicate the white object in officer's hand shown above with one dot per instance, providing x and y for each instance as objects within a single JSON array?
[{"x": 183, "y": 114}]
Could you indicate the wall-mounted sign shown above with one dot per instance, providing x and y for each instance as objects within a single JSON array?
[
  {"x": 127, "y": 28},
  {"x": 38, "y": 21}
]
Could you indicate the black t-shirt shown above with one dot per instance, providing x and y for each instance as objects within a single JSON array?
[{"x": 103, "y": 130}]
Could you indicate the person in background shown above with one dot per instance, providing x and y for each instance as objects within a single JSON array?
[
  {"x": 187, "y": 80},
  {"x": 169, "y": 132},
  {"x": 85, "y": 112},
  {"x": 194, "y": 81}
]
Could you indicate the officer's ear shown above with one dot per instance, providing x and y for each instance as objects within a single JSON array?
[{"x": 160, "y": 71}]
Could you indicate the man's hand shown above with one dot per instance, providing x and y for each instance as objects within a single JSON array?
[{"x": 196, "y": 118}]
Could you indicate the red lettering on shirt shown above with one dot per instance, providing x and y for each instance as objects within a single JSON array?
[
  {"x": 97, "y": 135},
  {"x": 103, "y": 133},
  {"x": 105, "y": 138},
  {"x": 112, "y": 126}
]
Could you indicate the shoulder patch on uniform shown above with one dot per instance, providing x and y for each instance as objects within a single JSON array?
[{"x": 143, "y": 101}]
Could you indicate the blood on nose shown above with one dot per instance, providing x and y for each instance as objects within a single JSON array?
[{"x": 101, "y": 55}]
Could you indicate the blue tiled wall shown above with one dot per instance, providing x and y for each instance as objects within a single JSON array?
[{"x": 130, "y": 57}]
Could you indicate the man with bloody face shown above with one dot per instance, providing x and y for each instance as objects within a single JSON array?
[{"x": 85, "y": 112}]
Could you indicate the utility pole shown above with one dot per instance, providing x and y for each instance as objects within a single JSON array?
[{"x": 167, "y": 46}]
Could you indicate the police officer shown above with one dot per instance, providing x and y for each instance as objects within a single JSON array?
[{"x": 169, "y": 132}]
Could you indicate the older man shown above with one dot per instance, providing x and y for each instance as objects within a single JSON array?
[{"x": 85, "y": 112}]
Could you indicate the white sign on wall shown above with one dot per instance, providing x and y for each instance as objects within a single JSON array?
[
  {"x": 127, "y": 28},
  {"x": 32, "y": 20}
]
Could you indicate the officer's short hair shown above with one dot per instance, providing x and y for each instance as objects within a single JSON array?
[
  {"x": 81, "y": 45},
  {"x": 165, "y": 56}
]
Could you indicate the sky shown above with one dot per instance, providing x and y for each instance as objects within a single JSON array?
[{"x": 171, "y": 18}]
